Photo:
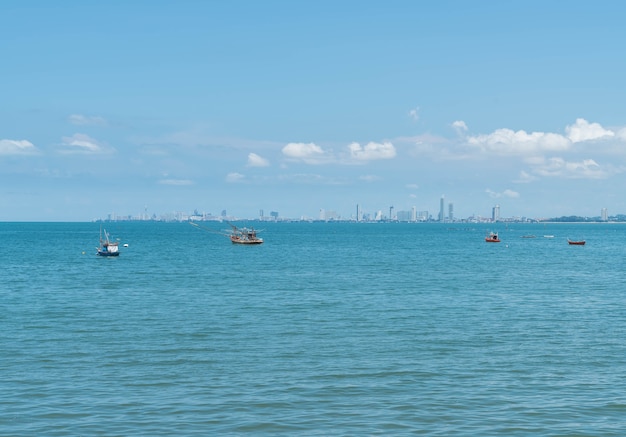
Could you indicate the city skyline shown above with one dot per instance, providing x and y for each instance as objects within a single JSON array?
[
  {"x": 359, "y": 215},
  {"x": 297, "y": 107}
]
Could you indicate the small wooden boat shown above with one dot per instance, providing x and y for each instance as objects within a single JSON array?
[
  {"x": 107, "y": 248},
  {"x": 576, "y": 243},
  {"x": 492, "y": 238}
]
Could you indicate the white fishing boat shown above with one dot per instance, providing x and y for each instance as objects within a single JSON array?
[{"x": 107, "y": 247}]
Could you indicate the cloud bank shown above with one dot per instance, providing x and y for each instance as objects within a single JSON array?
[
  {"x": 17, "y": 147},
  {"x": 81, "y": 143}
]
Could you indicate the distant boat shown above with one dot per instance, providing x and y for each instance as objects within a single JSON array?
[
  {"x": 236, "y": 235},
  {"x": 244, "y": 236},
  {"x": 492, "y": 238},
  {"x": 576, "y": 243},
  {"x": 528, "y": 236},
  {"x": 107, "y": 248},
  {"x": 548, "y": 236}
]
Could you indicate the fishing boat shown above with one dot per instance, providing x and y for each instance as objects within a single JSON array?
[
  {"x": 236, "y": 235},
  {"x": 107, "y": 248},
  {"x": 492, "y": 238},
  {"x": 244, "y": 236},
  {"x": 576, "y": 243}
]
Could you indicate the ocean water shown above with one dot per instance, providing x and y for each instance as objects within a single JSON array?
[{"x": 326, "y": 329}]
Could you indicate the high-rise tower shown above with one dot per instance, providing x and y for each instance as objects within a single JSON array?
[
  {"x": 441, "y": 210},
  {"x": 495, "y": 213}
]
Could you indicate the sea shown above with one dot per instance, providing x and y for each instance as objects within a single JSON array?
[{"x": 326, "y": 329}]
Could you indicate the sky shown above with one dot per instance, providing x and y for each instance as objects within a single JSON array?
[{"x": 122, "y": 107}]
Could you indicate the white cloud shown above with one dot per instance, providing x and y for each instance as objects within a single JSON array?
[
  {"x": 525, "y": 177},
  {"x": 255, "y": 160},
  {"x": 412, "y": 186},
  {"x": 585, "y": 169},
  {"x": 83, "y": 120},
  {"x": 414, "y": 113},
  {"x": 372, "y": 151},
  {"x": 81, "y": 143},
  {"x": 176, "y": 182},
  {"x": 307, "y": 152},
  {"x": 582, "y": 130},
  {"x": 507, "y": 141},
  {"x": 460, "y": 127},
  {"x": 234, "y": 177},
  {"x": 506, "y": 193},
  {"x": 17, "y": 147}
]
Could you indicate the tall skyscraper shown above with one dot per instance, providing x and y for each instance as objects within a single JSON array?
[
  {"x": 359, "y": 214},
  {"x": 441, "y": 211},
  {"x": 605, "y": 215},
  {"x": 495, "y": 213},
  {"x": 451, "y": 211}
]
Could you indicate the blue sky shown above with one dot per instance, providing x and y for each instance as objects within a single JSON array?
[{"x": 111, "y": 107}]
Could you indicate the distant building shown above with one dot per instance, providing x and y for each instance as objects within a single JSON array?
[
  {"x": 451, "y": 211},
  {"x": 405, "y": 216},
  {"x": 495, "y": 213},
  {"x": 441, "y": 211},
  {"x": 327, "y": 215},
  {"x": 605, "y": 215}
]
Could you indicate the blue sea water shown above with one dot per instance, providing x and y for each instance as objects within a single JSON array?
[{"x": 326, "y": 329}]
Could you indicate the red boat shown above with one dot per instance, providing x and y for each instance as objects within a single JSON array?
[
  {"x": 492, "y": 238},
  {"x": 576, "y": 243}
]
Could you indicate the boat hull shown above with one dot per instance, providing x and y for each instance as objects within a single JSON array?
[
  {"x": 576, "y": 243},
  {"x": 236, "y": 240},
  {"x": 102, "y": 253},
  {"x": 492, "y": 238}
]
